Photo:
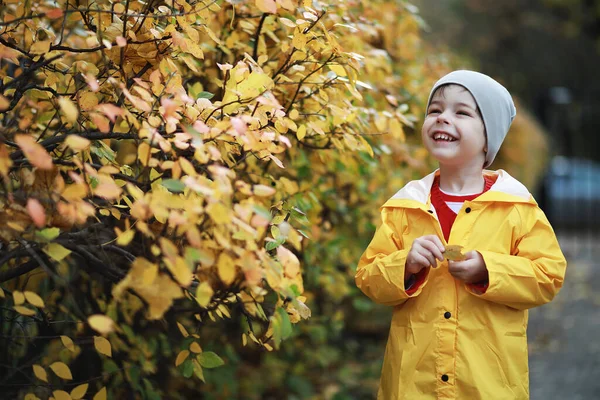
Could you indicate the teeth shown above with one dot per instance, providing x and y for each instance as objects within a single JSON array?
[{"x": 443, "y": 136}]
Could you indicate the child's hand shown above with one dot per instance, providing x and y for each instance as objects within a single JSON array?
[
  {"x": 471, "y": 270},
  {"x": 423, "y": 254}
]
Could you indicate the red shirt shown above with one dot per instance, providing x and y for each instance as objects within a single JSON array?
[{"x": 445, "y": 215}]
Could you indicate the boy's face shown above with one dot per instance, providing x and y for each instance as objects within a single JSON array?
[{"x": 453, "y": 131}]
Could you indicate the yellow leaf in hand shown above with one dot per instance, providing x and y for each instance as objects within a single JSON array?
[{"x": 453, "y": 253}]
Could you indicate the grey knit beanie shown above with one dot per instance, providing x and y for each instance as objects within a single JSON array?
[{"x": 494, "y": 101}]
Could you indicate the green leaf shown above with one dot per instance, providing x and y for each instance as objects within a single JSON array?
[
  {"x": 188, "y": 368},
  {"x": 173, "y": 185},
  {"x": 274, "y": 244},
  {"x": 262, "y": 211},
  {"x": 208, "y": 359},
  {"x": 47, "y": 234},
  {"x": 205, "y": 95},
  {"x": 151, "y": 394},
  {"x": 286, "y": 325}
]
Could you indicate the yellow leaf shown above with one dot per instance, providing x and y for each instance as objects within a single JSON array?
[
  {"x": 108, "y": 190},
  {"x": 40, "y": 372},
  {"x": 244, "y": 339},
  {"x": 40, "y": 47},
  {"x": 5, "y": 160},
  {"x": 180, "y": 270},
  {"x": 2, "y": 294},
  {"x": 226, "y": 268},
  {"x": 204, "y": 294},
  {"x": 102, "y": 345},
  {"x": 299, "y": 39},
  {"x": 101, "y": 395},
  {"x": 18, "y": 297},
  {"x": 4, "y": 103},
  {"x": 182, "y": 329},
  {"x": 68, "y": 108},
  {"x": 144, "y": 153},
  {"x": 68, "y": 343},
  {"x": 75, "y": 191},
  {"x": 125, "y": 237},
  {"x": 195, "y": 348},
  {"x": 267, "y": 6},
  {"x": 219, "y": 213},
  {"x": 101, "y": 323},
  {"x": 56, "y": 251},
  {"x": 31, "y": 396},
  {"x": 168, "y": 248},
  {"x": 28, "y": 312},
  {"x": 181, "y": 357},
  {"x": 264, "y": 190},
  {"x": 453, "y": 253},
  {"x": 88, "y": 101},
  {"x": 61, "y": 395},
  {"x": 79, "y": 391},
  {"x": 61, "y": 370},
  {"x": 35, "y": 153},
  {"x": 338, "y": 69},
  {"x": 34, "y": 299},
  {"x": 187, "y": 167},
  {"x": 77, "y": 143}
]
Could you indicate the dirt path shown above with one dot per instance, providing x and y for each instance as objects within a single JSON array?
[{"x": 564, "y": 336}]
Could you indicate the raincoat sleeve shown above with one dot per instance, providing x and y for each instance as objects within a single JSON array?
[
  {"x": 534, "y": 274},
  {"x": 380, "y": 271}
]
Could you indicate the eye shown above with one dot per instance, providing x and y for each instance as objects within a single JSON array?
[
  {"x": 461, "y": 112},
  {"x": 433, "y": 110}
]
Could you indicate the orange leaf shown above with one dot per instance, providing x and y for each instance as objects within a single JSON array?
[
  {"x": 36, "y": 212},
  {"x": 55, "y": 13},
  {"x": 35, "y": 153}
]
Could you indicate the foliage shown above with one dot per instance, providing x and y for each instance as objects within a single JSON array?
[{"x": 174, "y": 175}]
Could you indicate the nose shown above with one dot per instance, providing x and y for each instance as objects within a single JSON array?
[{"x": 442, "y": 118}]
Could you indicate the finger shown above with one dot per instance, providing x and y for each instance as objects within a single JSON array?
[
  {"x": 436, "y": 241},
  {"x": 419, "y": 259},
  {"x": 433, "y": 249},
  {"x": 430, "y": 258}
]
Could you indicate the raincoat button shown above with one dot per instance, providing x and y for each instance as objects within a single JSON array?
[
  {"x": 468, "y": 210},
  {"x": 447, "y": 315},
  {"x": 445, "y": 378}
]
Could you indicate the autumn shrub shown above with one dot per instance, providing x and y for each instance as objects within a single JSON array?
[{"x": 183, "y": 184}]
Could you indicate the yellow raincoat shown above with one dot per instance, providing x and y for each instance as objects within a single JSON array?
[{"x": 446, "y": 341}]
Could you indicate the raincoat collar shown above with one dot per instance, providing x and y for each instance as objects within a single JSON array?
[{"x": 417, "y": 194}]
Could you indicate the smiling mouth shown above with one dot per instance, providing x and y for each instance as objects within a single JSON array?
[{"x": 443, "y": 137}]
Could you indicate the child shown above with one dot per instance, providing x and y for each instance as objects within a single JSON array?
[{"x": 458, "y": 329}]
